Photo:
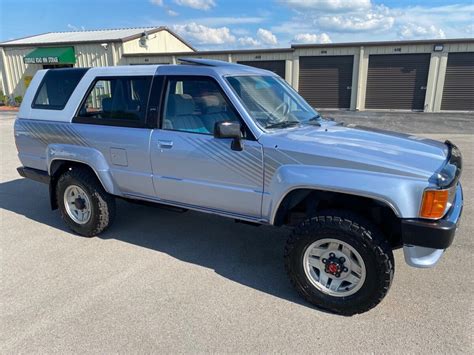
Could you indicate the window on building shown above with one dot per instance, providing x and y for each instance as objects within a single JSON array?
[
  {"x": 116, "y": 101},
  {"x": 56, "y": 88}
]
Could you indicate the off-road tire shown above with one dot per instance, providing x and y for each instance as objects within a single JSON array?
[
  {"x": 102, "y": 203},
  {"x": 362, "y": 235}
]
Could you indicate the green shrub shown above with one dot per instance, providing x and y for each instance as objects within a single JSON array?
[
  {"x": 18, "y": 100},
  {"x": 3, "y": 98}
]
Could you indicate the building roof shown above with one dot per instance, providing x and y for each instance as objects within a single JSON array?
[
  {"x": 309, "y": 45},
  {"x": 92, "y": 36},
  {"x": 384, "y": 43}
]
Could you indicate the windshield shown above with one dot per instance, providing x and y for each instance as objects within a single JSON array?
[{"x": 271, "y": 102}]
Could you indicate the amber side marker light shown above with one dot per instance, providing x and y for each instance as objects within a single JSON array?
[{"x": 434, "y": 203}]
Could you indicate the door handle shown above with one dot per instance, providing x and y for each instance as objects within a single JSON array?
[{"x": 165, "y": 144}]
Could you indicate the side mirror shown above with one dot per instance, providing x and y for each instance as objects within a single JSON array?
[{"x": 232, "y": 130}]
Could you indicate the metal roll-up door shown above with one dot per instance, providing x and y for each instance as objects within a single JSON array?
[
  {"x": 397, "y": 81},
  {"x": 326, "y": 82},
  {"x": 276, "y": 66},
  {"x": 458, "y": 92}
]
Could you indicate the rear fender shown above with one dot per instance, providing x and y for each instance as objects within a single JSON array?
[{"x": 85, "y": 155}]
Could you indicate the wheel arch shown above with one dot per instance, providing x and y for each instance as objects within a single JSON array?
[
  {"x": 58, "y": 166},
  {"x": 304, "y": 202}
]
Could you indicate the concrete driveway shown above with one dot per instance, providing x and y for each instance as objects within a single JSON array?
[{"x": 159, "y": 281}]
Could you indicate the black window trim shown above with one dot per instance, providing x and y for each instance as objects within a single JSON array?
[
  {"x": 166, "y": 78},
  {"x": 111, "y": 121},
  {"x": 55, "y": 107}
]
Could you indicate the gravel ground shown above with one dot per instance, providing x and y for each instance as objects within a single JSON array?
[{"x": 159, "y": 281}]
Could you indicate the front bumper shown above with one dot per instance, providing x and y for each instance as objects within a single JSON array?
[{"x": 425, "y": 241}]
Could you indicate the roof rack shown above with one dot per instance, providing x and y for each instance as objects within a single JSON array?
[{"x": 205, "y": 62}]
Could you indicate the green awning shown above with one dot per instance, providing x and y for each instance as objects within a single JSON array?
[{"x": 51, "y": 55}]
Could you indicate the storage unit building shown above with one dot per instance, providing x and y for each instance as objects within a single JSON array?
[{"x": 418, "y": 75}]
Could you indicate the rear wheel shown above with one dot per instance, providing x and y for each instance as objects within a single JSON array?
[
  {"x": 340, "y": 262},
  {"x": 84, "y": 205}
]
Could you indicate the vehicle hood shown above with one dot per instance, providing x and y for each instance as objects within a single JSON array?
[{"x": 358, "y": 147}]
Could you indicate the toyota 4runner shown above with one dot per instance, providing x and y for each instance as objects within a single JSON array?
[{"x": 239, "y": 142}]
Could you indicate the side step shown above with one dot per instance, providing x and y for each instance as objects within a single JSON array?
[
  {"x": 255, "y": 224},
  {"x": 157, "y": 205}
]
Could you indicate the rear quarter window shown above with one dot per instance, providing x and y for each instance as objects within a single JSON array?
[
  {"x": 56, "y": 88},
  {"x": 116, "y": 101}
]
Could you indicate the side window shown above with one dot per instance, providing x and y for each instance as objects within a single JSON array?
[
  {"x": 116, "y": 101},
  {"x": 56, "y": 88},
  {"x": 195, "y": 105}
]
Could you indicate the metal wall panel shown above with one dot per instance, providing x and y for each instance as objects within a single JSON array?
[
  {"x": 276, "y": 66},
  {"x": 326, "y": 81},
  {"x": 458, "y": 92},
  {"x": 397, "y": 81}
]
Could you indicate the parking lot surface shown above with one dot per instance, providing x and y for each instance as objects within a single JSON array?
[{"x": 161, "y": 281}]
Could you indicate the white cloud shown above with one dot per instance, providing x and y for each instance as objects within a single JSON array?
[
  {"x": 171, "y": 12},
  {"x": 76, "y": 28},
  {"x": 311, "y": 38},
  {"x": 266, "y": 37},
  {"x": 328, "y": 5},
  {"x": 371, "y": 21},
  {"x": 201, "y": 34},
  {"x": 157, "y": 2},
  {"x": 248, "y": 42},
  {"x": 414, "y": 31},
  {"x": 227, "y": 21},
  {"x": 196, "y": 4},
  {"x": 469, "y": 29}
]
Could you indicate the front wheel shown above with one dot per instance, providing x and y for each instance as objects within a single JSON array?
[{"x": 340, "y": 262}]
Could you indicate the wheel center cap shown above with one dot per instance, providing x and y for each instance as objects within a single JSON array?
[
  {"x": 80, "y": 203},
  {"x": 333, "y": 268},
  {"x": 334, "y": 265}
]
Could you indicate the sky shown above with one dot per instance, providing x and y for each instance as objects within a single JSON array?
[{"x": 231, "y": 24}]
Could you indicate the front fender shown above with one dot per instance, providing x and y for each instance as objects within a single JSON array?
[
  {"x": 85, "y": 155},
  {"x": 401, "y": 194}
]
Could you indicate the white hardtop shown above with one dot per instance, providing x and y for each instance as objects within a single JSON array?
[{"x": 192, "y": 67}]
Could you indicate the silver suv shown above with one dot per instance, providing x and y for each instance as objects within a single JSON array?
[{"x": 239, "y": 142}]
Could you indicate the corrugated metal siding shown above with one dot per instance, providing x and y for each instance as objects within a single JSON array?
[
  {"x": 397, "y": 81},
  {"x": 92, "y": 55},
  {"x": 458, "y": 92},
  {"x": 236, "y": 57},
  {"x": 18, "y": 70},
  {"x": 326, "y": 81},
  {"x": 276, "y": 66}
]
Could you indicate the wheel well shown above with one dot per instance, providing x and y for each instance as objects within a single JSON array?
[
  {"x": 57, "y": 168},
  {"x": 301, "y": 204}
]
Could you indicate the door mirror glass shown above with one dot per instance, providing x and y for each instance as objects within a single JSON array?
[
  {"x": 227, "y": 129},
  {"x": 232, "y": 130}
]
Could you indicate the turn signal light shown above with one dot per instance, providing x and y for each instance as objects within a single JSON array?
[{"x": 434, "y": 203}]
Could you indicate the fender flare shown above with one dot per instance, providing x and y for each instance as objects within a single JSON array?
[{"x": 88, "y": 156}]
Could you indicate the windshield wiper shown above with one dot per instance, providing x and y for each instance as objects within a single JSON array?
[
  {"x": 315, "y": 120},
  {"x": 283, "y": 124}
]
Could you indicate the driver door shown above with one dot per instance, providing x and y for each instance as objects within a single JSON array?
[{"x": 193, "y": 168}]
